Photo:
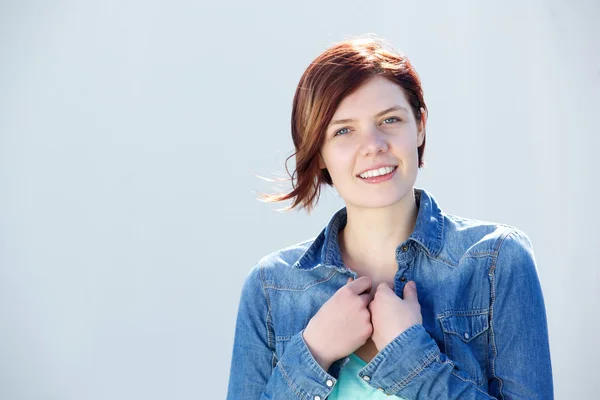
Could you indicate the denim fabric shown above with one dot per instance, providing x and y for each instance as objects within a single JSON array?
[{"x": 484, "y": 333}]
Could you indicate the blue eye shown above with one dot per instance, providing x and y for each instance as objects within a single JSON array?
[
  {"x": 340, "y": 131},
  {"x": 387, "y": 119}
]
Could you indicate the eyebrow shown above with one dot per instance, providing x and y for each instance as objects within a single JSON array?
[{"x": 379, "y": 114}]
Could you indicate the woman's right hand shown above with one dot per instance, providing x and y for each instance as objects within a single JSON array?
[{"x": 342, "y": 324}]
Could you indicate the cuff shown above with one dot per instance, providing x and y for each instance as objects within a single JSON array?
[
  {"x": 303, "y": 373},
  {"x": 401, "y": 360}
]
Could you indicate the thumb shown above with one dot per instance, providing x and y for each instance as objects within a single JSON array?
[
  {"x": 349, "y": 280},
  {"x": 410, "y": 292}
]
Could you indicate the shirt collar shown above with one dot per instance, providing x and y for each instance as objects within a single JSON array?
[{"x": 325, "y": 250}]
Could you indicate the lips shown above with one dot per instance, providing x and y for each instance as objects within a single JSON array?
[
  {"x": 376, "y": 168},
  {"x": 380, "y": 178}
]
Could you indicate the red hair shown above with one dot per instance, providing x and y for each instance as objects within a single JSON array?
[{"x": 334, "y": 74}]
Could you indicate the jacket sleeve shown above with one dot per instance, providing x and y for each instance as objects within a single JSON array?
[
  {"x": 413, "y": 367},
  {"x": 255, "y": 371}
]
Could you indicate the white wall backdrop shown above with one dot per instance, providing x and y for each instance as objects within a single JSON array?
[{"x": 130, "y": 132}]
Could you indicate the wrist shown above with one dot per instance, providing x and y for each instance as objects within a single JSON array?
[{"x": 323, "y": 361}]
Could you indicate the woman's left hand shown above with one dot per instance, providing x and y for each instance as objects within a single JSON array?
[{"x": 391, "y": 315}]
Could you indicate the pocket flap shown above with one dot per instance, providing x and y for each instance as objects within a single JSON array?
[{"x": 466, "y": 327}]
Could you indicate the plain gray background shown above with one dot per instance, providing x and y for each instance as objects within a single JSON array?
[{"x": 130, "y": 133}]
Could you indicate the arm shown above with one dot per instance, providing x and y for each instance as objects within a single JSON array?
[
  {"x": 413, "y": 366},
  {"x": 519, "y": 348},
  {"x": 255, "y": 372}
]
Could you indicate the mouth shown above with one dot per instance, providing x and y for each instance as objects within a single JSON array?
[{"x": 379, "y": 178}]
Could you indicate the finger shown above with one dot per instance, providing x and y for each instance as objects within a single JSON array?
[
  {"x": 366, "y": 298},
  {"x": 361, "y": 284},
  {"x": 410, "y": 292}
]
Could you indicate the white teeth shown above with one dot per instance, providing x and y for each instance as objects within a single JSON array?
[{"x": 377, "y": 172}]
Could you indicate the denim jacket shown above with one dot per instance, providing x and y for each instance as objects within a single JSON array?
[{"x": 484, "y": 333}]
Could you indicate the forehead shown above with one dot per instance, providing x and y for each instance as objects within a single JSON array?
[{"x": 376, "y": 94}]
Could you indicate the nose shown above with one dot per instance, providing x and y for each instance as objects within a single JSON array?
[{"x": 373, "y": 142}]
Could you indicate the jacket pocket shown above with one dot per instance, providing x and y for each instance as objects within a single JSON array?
[{"x": 466, "y": 342}]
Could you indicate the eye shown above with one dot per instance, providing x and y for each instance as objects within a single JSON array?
[
  {"x": 341, "y": 131},
  {"x": 393, "y": 119}
]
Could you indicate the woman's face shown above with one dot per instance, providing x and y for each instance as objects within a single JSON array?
[{"x": 373, "y": 126}]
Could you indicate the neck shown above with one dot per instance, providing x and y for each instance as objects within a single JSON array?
[{"x": 369, "y": 240}]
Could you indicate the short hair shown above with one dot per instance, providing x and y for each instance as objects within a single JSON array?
[{"x": 332, "y": 76}]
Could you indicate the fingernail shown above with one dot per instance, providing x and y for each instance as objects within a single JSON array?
[{"x": 413, "y": 284}]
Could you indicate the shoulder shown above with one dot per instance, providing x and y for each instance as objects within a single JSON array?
[
  {"x": 278, "y": 265},
  {"x": 468, "y": 237},
  {"x": 285, "y": 257}
]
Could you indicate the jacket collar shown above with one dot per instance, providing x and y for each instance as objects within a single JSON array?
[{"x": 325, "y": 250}]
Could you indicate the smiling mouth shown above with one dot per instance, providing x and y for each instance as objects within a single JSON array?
[{"x": 378, "y": 176}]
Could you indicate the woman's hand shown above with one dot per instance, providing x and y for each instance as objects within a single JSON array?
[
  {"x": 391, "y": 315},
  {"x": 342, "y": 324}
]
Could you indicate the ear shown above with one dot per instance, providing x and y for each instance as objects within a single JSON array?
[
  {"x": 321, "y": 162},
  {"x": 421, "y": 127}
]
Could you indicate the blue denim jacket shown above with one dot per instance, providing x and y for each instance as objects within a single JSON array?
[{"x": 484, "y": 333}]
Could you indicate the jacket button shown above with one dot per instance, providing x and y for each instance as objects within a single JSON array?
[
  {"x": 367, "y": 378},
  {"x": 404, "y": 247},
  {"x": 466, "y": 335},
  {"x": 317, "y": 397},
  {"x": 329, "y": 382},
  {"x": 403, "y": 279}
]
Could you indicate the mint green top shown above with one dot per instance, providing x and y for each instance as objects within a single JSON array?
[{"x": 350, "y": 386}]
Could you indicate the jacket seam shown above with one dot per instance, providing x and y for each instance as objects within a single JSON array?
[
  {"x": 430, "y": 357},
  {"x": 476, "y": 385},
  {"x": 302, "y": 289},
  {"x": 492, "y": 275},
  {"x": 289, "y": 381},
  {"x": 462, "y": 378},
  {"x": 452, "y": 264},
  {"x": 270, "y": 338}
]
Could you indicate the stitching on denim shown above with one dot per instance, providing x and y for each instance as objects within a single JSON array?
[
  {"x": 385, "y": 351},
  {"x": 303, "y": 289},
  {"x": 462, "y": 378},
  {"x": 438, "y": 259},
  {"x": 431, "y": 355},
  {"x": 475, "y": 311},
  {"x": 290, "y": 383},
  {"x": 270, "y": 339},
  {"x": 477, "y": 254},
  {"x": 492, "y": 275},
  {"x": 440, "y": 231},
  {"x": 476, "y": 385},
  {"x": 447, "y": 344},
  {"x": 447, "y": 335},
  {"x": 308, "y": 253},
  {"x": 314, "y": 365},
  {"x": 447, "y": 314},
  {"x": 450, "y": 263},
  {"x": 486, "y": 350}
]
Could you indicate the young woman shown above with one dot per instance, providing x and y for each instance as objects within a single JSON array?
[{"x": 394, "y": 296}]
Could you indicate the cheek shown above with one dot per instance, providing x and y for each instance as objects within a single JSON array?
[
  {"x": 339, "y": 161},
  {"x": 407, "y": 141},
  {"x": 406, "y": 147}
]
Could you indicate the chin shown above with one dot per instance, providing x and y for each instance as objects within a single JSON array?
[{"x": 376, "y": 203}]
